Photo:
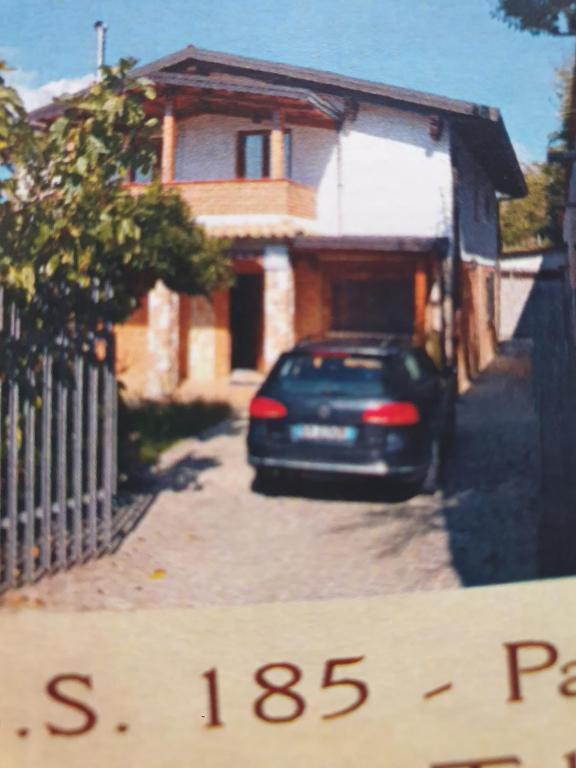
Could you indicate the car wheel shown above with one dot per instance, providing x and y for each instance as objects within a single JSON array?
[
  {"x": 264, "y": 480},
  {"x": 431, "y": 479}
]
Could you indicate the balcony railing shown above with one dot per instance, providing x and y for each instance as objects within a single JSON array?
[{"x": 245, "y": 197}]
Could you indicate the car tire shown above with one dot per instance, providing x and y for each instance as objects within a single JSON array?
[
  {"x": 431, "y": 480},
  {"x": 264, "y": 480}
]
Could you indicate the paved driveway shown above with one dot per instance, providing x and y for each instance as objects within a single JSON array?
[{"x": 209, "y": 539}]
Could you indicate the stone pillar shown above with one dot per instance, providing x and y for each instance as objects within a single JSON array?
[
  {"x": 163, "y": 342},
  {"x": 279, "y": 302},
  {"x": 202, "y": 340},
  {"x": 168, "y": 143},
  {"x": 277, "y": 169}
]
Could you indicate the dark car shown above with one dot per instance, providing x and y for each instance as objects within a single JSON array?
[{"x": 351, "y": 406}]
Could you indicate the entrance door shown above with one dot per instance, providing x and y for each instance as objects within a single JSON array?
[{"x": 246, "y": 321}]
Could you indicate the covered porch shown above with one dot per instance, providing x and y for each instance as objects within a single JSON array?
[{"x": 284, "y": 290}]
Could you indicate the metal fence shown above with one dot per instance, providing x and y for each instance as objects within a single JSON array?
[{"x": 58, "y": 445}]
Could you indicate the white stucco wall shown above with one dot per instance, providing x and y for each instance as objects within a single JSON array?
[
  {"x": 397, "y": 180},
  {"x": 394, "y": 178},
  {"x": 206, "y": 147},
  {"x": 315, "y": 163},
  {"x": 478, "y": 209}
]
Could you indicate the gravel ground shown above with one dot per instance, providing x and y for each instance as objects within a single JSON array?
[{"x": 209, "y": 539}]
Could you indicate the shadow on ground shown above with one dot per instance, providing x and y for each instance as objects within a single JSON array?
[
  {"x": 488, "y": 508},
  {"x": 180, "y": 470},
  {"x": 555, "y": 395}
]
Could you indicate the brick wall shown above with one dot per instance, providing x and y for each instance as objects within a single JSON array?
[
  {"x": 221, "y": 301},
  {"x": 132, "y": 350},
  {"x": 248, "y": 196},
  {"x": 309, "y": 297},
  {"x": 315, "y": 273},
  {"x": 297, "y": 303},
  {"x": 475, "y": 329}
]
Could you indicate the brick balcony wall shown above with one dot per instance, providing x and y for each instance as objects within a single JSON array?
[{"x": 246, "y": 197}]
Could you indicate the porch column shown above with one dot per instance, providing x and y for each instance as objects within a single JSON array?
[
  {"x": 277, "y": 169},
  {"x": 168, "y": 142},
  {"x": 202, "y": 341},
  {"x": 279, "y": 299},
  {"x": 163, "y": 342}
]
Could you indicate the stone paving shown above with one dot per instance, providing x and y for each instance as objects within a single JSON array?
[{"x": 209, "y": 539}]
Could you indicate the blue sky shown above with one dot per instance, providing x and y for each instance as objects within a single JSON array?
[{"x": 450, "y": 47}]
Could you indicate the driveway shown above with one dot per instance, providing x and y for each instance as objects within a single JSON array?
[{"x": 209, "y": 539}]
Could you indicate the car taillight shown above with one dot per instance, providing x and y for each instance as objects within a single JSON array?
[
  {"x": 267, "y": 408},
  {"x": 392, "y": 415}
]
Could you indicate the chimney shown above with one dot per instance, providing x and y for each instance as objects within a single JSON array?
[{"x": 101, "y": 30}]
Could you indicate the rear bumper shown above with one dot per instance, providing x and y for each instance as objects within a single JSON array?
[{"x": 377, "y": 468}]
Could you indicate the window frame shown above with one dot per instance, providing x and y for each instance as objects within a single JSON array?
[{"x": 266, "y": 133}]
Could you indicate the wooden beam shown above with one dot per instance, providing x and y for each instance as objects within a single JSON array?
[
  {"x": 420, "y": 298},
  {"x": 168, "y": 142}
]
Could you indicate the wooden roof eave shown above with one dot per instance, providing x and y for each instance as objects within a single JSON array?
[
  {"x": 294, "y": 95},
  {"x": 504, "y": 170}
]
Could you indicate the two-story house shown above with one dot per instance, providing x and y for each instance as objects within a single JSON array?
[{"x": 350, "y": 205}]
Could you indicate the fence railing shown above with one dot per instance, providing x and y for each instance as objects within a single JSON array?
[{"x": 58, "y": 444}]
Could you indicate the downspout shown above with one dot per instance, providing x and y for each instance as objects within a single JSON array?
[
  {"x": 451, "y": 270},
  {"x": 498, "y": 288},
  {"x": 339, "y": 178}
]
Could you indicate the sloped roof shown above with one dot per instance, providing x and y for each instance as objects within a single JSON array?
[{"x": 481, "y": 126}]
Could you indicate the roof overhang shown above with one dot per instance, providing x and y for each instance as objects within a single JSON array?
[
  {"x": 298, "y": 100},
  {"x": 480, "y": 126},
  {"x": 371, "y": 244}
]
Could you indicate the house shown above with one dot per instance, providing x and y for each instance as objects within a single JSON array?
[{"x": 350, "y": 206}]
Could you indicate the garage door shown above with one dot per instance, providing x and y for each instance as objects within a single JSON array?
[{"x": 378, "y": 306}]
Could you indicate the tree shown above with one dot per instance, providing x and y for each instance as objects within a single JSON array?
[
  {"x": 77, "y": 247},
  {"x": 532, "y": 222},
  {"x": 555, "y": 17}
]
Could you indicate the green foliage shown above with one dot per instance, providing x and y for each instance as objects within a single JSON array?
[
  {"x": 533, "y": 222},
  {"x": 13, "y": 126},
  {"x": 148, "y": 429},
  {"x": 67, "y": 222},
  {"x": 555, "y": 17}
]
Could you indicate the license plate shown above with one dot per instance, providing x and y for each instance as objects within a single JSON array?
[{"x": 323, "y": 432}]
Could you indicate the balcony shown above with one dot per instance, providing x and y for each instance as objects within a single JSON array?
[
  {"x": 245, "y": 197},
  {"x": 248, "y": 207}
]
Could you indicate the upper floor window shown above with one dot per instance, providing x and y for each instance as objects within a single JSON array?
[{"x": 253, "y": 154}]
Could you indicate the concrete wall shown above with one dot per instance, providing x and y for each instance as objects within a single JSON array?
[
  {"x": 515, "y": 292},
  {"x": 520, "y": 282}
]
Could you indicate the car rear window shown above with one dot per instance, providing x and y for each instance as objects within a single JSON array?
[{"x": 340, "y": 374}]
